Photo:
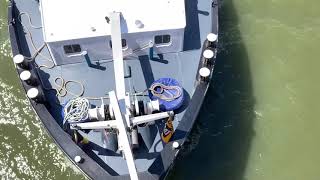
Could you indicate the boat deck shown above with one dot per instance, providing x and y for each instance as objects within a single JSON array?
[
  {"x": 97, "y": 78},
  {"x": 97, "y": 82}
]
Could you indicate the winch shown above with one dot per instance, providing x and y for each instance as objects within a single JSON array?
[{"x": 78, "y": 110}]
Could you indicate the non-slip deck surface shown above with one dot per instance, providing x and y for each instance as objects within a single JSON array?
[{"x": 98, "y": 79}]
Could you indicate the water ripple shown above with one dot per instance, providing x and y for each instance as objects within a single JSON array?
[{"x": 26, "y": 152}]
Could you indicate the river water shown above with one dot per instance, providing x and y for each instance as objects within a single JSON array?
[{"x": 259, "y": 120}]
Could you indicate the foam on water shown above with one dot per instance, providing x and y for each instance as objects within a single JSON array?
[{"x": 26, "y": 151}]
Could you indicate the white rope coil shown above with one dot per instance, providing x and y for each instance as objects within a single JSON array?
[
  {"x": 76, "y": 110},
  {"x": 165, "y": 90}
]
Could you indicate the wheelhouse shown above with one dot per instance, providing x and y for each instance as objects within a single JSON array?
[{"x": 85, "y": 30}]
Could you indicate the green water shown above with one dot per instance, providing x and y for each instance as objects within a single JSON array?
[{"x": 259, "y": 120}]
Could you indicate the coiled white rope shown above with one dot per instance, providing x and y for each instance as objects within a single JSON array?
[
  {"x": 76, "y": 110},
  {"x": 165, "y": 90}
]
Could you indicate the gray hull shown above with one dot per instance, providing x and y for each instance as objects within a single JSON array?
[{"x": 154, "y": 159}]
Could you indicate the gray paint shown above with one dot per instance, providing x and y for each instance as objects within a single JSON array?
[
  {"x": 98, "y": 48},
  {"x": 182, "y": 66}
]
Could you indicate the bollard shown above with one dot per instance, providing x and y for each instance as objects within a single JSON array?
[
  {"x": 204, "y": 74},
  {"x": 208, "y": 55},
  {"x": 29, "y": 78},
  {"x": 20, "y": 61},
  {"x": 212, "y": 40}
]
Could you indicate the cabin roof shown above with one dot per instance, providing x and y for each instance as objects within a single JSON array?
[{"x": 75, "y": 19}]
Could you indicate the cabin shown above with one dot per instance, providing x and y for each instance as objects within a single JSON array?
[{"x": 76, "y": 34}]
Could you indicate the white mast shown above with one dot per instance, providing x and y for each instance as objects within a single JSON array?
[
  {"x": 119, "y": 105},
  {"x": 125, "y": 143}
]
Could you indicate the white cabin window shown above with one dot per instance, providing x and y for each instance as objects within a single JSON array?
[
  {"x": 162, "y": 39},
  {"x": 123, "y": 43},
  {"x": 71, "y": 49}
]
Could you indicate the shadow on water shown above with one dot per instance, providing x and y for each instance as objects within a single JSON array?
[{"x": 221, "y": 139}]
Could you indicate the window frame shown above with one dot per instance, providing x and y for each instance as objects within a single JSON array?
[
  {"x": 72, "y": 49},
  {"x": 163, "y": 43},
  {"x": 123, "y": 41}
]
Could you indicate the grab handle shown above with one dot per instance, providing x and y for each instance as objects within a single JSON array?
[{"x": 83, "y": 53}]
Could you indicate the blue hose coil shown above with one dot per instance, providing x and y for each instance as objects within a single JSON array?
[{"x": 168, "y": 105}]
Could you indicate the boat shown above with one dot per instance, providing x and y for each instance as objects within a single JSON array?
[{"x": 117, "y": 84}]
